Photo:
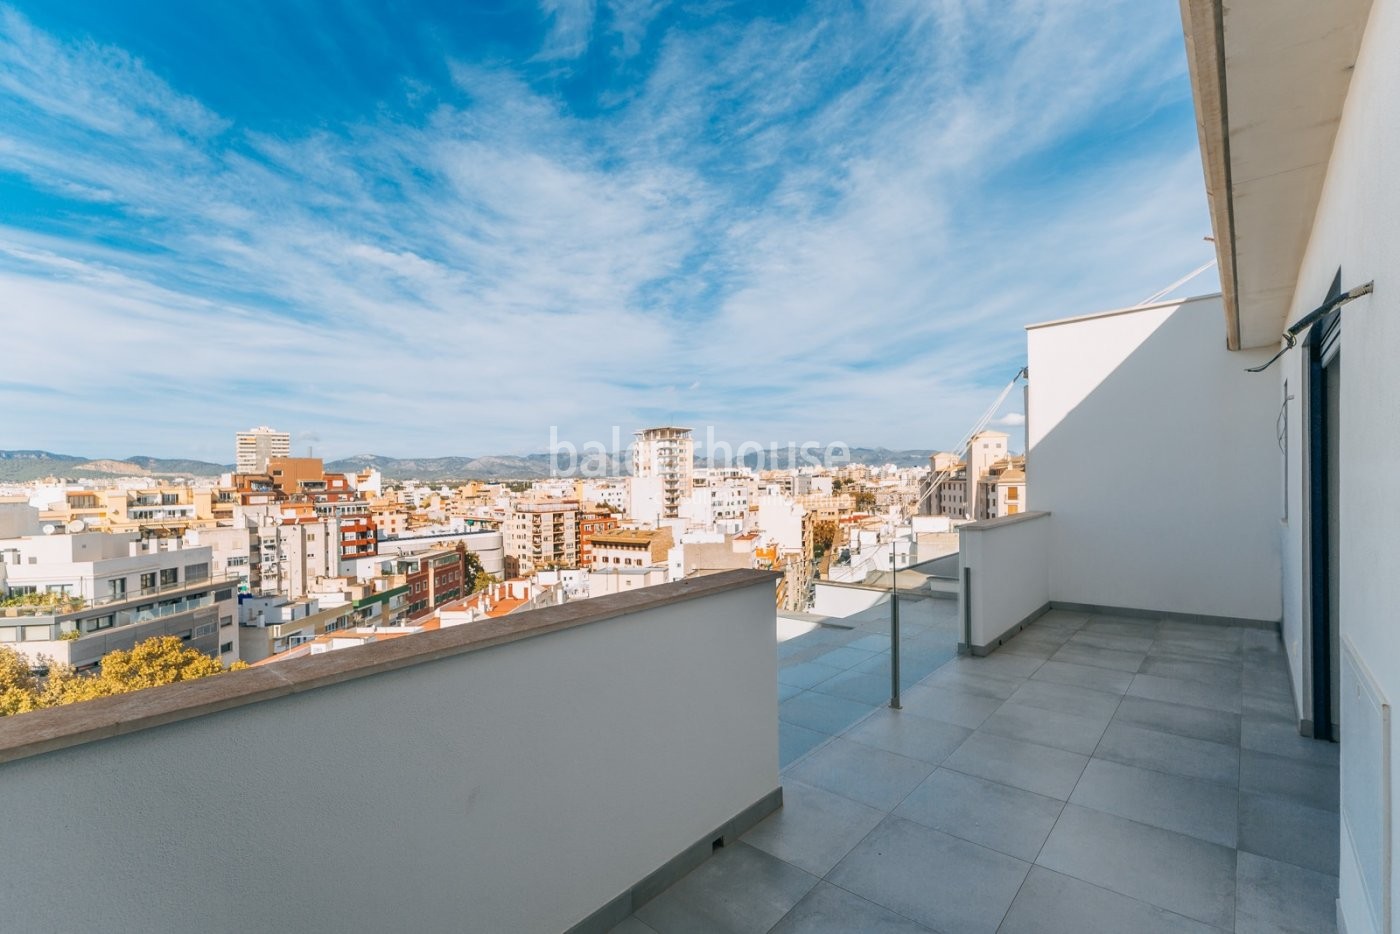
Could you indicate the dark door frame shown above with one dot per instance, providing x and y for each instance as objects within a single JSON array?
[{"x": 1321, "y": 340}]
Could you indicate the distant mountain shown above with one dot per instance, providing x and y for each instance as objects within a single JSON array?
[
  {"x": 179, "y": 466},
  {"x": 499, "y": 467},
  {"x": 535, "y": 466},
  {"x": 24, "y": 466}
]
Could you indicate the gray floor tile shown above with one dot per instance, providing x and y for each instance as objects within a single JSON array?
[
  {"x": 1279, "y": 736},
  {"x": 865, "y": 774},
  {"x": 821, "y": 712},
  {"x": 1113, "y": 640},
  {"x": 873, "y": 642},
  {"x": 632, "y": 926},
  {"x": 795, "y": 742},
  {"x": 1167, "y": 752},
  {"x": 1283, "y": 829},
  {"x": 1264, "y": 639},
  {"x": 1008, "y": 820},
  {"x": 1266, "y": 683},
  {"x": 1060, "y": 621},
  {"x": 1269, "y": 706},
  {"x": 1166, "y": 869},
  {"x": 1099, "y": 658},
  {"x": 1085, "y": 676},
  {"x": 737, "y": 891},
  {"x": 814, "y": 828},
  {"x": 1047, "y": 727},
  {"x": 948, "y": 884},
  {"x": 1199, "y": 809},
  {"x": 806, "y": 674},
  {"x": 960, "y": 678},
  {"x": 1274, "y": 896},
  {"x": 1312, "y": 785},
  {"x": 1028, "y": 649},
  {"x": 908, "y": 734},
  {"x": 787, "y": 690},
  {"x": 828, "y": 909},
  {"x": 1122, "y": 626},
  {"x": 1186, "y": 669},
  {"x": 1051, "y": 903},
  {"x": 1202, "y": 632},
  {"x": 951, "y": 704},
  {"x": 1217, "y": 726},
  {"x": 867, "y": 687},
  {"x": 1068, "y": 698},
  {"x": 998, "y": 665},
  {"x": 1190, "y": 693},
  {"x": 1042, "y": 769},
  {"x": 844, "y": 656}
]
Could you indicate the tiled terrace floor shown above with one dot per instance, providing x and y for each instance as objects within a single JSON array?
[{"x": 1094, "y": 775}]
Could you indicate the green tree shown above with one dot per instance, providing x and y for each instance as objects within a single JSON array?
[
  {"x": 865, "y": 501},
  {"x": 149, "y": 663},
  {"x": 484, "y": 580},
  {"x": 18, "y": 685}
]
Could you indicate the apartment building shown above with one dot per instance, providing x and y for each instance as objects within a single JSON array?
[
  {"x": 541, "y": 533},
  {"x": 666, "y": 454},
  {"x": 75, "y": 597},
  {"x": 592, "y": 522},
  {"x": 631, "y": 548},
  {"x": 256, "y": 446}
]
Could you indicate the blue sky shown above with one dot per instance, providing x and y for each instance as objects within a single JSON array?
[{"x": 442, "y": 228}]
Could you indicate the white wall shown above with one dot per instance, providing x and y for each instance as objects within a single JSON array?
[
  {"x": 515, "y": 788},
  {"x": 1008, "y": 564},
  {"x": 842, "y": 600},
  {"x": 1357, "y": 227},
  {"x": 1157, "y": 455}
]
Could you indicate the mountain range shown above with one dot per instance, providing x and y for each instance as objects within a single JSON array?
[{"x": 24, "y": 466}]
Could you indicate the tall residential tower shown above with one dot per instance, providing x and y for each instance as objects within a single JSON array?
[{"x": 253, "y": 448}]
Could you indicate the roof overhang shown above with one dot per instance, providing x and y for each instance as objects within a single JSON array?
[{"x": 1270, "y": 80}]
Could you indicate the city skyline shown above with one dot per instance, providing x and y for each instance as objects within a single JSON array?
[{"x": 815, "y": 222}]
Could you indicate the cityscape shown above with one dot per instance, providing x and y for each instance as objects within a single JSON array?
[
  {"x": 279, "y": 558},
  {"x": 618, "y": 467}
]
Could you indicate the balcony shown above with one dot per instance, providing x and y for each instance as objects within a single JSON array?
[{"x": 1093, "y": 774}]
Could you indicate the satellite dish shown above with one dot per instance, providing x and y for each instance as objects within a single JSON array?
[
  {"x": 49, "y": 529},
  {"x": 77, "y": 525}
]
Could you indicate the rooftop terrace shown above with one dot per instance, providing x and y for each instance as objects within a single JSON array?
[{"x": 1094, "y": 774}]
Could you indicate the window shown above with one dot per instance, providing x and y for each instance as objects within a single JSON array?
[
  {"x": 206, "y": 630},
  {"x": 117, "y": 588},
  {"x": 1013, "y": 494},
  {"x": 148, "y": 581},
  {"x": 186, "y": 636},
  {"x": 196, "y": 572},
  {"x": 226, "y": 648},
  {"x": 99, "y": 622},
  {"x": 226, "y": 594},
  {"x": 37, "y": 634},
  {"x": 9, "y": 633},
  {"x": 225, "y": 622},
  {"x": 169, "y": 576}
]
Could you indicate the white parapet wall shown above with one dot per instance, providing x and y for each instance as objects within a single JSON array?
[
  {"x": 1006, "y": 577},
  {"x": 839, "y": 600},
  {"x": 515, "y": 775},
  {"x": 1159, "y": 457}
]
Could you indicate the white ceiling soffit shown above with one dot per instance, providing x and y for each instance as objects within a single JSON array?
[{"x": 1270, "y": 79}]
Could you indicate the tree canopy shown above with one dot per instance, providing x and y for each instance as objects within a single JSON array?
[{"x": 150, "y": 663}]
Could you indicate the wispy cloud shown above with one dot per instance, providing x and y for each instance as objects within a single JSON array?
[{"x": 826, "y": 225}]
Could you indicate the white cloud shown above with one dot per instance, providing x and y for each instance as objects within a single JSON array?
[{"x": 820, "y": 228}]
